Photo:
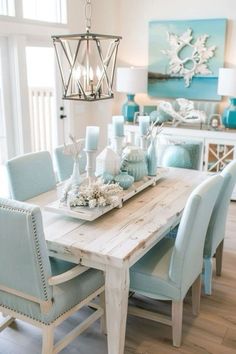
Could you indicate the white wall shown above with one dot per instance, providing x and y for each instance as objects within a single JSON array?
[
  {"x": 77, "y": 112},
  {"x": 129, "y": 18}
]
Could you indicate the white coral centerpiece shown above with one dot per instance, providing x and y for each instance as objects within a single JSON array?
[
  {"x": 154, "y": 130},
  {"x": 94, "y": 195}
]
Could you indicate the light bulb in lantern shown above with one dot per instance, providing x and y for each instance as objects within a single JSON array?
[
  {"x": 84, "y": 74},
  {"x": 99, "y": 75},
  {"x": 91, "y": 79},
  {"x": 76, "y": 77},
  {"x": 77, "y": 74},
  {"x": 91, "y": 74}
]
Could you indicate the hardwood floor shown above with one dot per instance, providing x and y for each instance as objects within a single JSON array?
[{"x": 212, "y": 332}]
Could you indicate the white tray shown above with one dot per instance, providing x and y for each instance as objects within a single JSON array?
[{"x": 90, "y": 214}]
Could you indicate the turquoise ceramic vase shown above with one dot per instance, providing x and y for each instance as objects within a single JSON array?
[
  {"x": 129, "y": 108},
  {"x": 124, "y": 180},
  {"x": 152, "y": 158},
  {"x": 107, "y": 177},
  {"x": 137, "y": 169},
  {"x": 134, "y": 162},
  {"x": 229, "y": 115}
]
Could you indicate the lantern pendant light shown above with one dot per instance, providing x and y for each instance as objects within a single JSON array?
[{"x": 87, "y": 62}]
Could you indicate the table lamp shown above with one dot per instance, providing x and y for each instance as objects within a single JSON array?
[
  {"x": 227, "y": 87},
  {"x": 131, "y": 81}
]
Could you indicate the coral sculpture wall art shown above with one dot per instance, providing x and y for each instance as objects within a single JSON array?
[{"x": 184, "y": 58}]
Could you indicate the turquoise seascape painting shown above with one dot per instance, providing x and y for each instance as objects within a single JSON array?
[{"x": 185, "y": 57}]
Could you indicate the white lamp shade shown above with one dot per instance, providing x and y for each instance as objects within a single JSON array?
[
  {"x": 227, "y": 82},
  {"x": 131, "y": 80}
]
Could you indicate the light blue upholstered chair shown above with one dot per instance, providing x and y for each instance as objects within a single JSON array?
[
  {"x": 64, "y": 163},
  {"x": 34, "y": 288},
  {"x": 216, "y": 229},
  {"x": 170, "y": 268},
  {"x": 30, "y": 175}
]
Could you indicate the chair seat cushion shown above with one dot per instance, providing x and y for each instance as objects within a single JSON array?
[
  {"x": 59, "y": 266},
  {"x": 150, "y": 275},
  {"x": 65, "y": 295}
]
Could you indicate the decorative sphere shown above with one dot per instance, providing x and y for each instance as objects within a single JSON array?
[
  {"x": 107, "y": 177},
  {"x": 124, "y": 180}
]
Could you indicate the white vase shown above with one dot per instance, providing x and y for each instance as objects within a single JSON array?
[
  {"x": 73, "y": 182},
  {"x": 75, "y": 178},
  {"x": 152, "y": 158}
]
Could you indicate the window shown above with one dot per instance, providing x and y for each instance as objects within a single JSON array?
[
  {"x": 45, "y": 10},
  {"x": 7, "y": 7}
]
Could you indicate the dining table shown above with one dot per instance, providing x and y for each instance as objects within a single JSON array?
[{"x": 116, "y": 240}]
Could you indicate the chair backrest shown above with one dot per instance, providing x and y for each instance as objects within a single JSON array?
[
  {"x": 30, "y": 175},
  {"x": 187, "y": 256},
  {"x": 216, "y": 228},
  {"x": 179, "y": 152},
  {"x": 25, "y": 264},
  {"x": 64, "y": 163}
]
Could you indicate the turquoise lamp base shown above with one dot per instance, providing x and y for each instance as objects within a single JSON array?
[
  {"x": 229, "y": 115},
  {"x": 129, "y": 108}
]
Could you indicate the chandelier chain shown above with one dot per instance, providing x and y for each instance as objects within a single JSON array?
[{"x": 88, "y": 14}]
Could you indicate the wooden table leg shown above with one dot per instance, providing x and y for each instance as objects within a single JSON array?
[{"x": 116, "y": 292}]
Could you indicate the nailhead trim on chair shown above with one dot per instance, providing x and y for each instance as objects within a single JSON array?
[
  {"x": 36, "y": 240},
  {"x": 36, "y": 319},
  {"x": 34, "y": 224}
]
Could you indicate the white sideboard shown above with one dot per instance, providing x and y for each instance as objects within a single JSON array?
[{"x": 219, "y": 147}]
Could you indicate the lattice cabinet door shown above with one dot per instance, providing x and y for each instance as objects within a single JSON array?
[{"x": 218, "y": 153}]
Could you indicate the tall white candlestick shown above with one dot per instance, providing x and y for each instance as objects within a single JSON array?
[{"x": 90, "y": 167}]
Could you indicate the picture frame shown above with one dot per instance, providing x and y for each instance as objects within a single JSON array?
[{"x": 185, "y": 57}]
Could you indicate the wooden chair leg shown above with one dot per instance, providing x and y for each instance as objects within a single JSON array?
[
  {"x": 219, "y": 256},
  {"x": 208, "y": 276},
  {"x": 196, "y": 295},
  {"x": 177, "y": 319},
  {"x": 102, "y": 303},
  {"x": 6, "y": 322},
  {"x": 48, "y": 339}
]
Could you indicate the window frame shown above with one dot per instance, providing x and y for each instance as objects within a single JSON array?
[
  {"x": 7, "y": 5},
  {"x": 18, "y": 17}
]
